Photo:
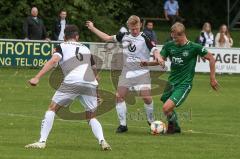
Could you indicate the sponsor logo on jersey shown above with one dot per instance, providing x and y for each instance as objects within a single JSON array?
[
  {"x": 203, "y": 49},
  {"x": 132, "y": 47},
  {"x": 172, "y": 51},
  {"x": 177, "y": 60},
  {"x": 185, "y": 53}
]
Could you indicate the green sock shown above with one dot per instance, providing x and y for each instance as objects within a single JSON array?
[{"x": 173, "y": 118}]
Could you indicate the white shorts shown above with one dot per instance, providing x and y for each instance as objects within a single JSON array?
[
  {"x": 142, "y": 82},
  {"x": 140, "y": 87},
  {"x": 86, "y": 94}
]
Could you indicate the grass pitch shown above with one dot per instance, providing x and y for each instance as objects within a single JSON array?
[{"x": 210, "y": 123}]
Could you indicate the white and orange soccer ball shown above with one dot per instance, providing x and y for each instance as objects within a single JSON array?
[{"x": 158, "y": 127}]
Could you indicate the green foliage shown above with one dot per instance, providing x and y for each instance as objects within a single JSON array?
[
  {"x": 108, "y": 15},
  {"x": 102, "y": 12},
  {"x": 197, "y": 12},
  {"x": 12, "y": 14}
]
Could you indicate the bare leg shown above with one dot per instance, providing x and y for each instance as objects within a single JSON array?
[{"x": 168, "y": 110}]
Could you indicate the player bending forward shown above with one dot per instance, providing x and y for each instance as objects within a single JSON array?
[
  {"x": 136, "y": 48},
  {"x": 183, "y": 55},
  {"x": 79, "y": 82}
]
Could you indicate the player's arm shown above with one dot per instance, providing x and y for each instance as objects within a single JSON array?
[
  {"x": 158, "y": 60},
  {"x": 94, "y": 68},
  {"x": 149, "y": 63},
  {"x": 100, "y": 34},
  {"x": 164, "y": 53},
  {"x": 213, "y": 81},
  {"x": 47, "y": 67}
]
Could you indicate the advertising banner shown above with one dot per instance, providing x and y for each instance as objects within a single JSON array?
[{"x": 25, "y": 53}]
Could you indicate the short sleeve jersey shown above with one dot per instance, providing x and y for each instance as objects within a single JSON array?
[
  {"x": 76, "y": 61},
  {"x": 135, "y": 50},
  {"x": 183, "y": 60}
]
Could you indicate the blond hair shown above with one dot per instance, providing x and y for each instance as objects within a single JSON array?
[
  {"x": 205, "y": 25},
  {"x": 178, "y": 28},
  {"x": 133, "y": 20}
]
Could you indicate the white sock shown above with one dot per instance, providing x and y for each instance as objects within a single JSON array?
[
  {"x": 96, "y": 129},
  {"x": 46, "y": 126},
  {"x": 122, "y": 113},
  {"x": 149, "y": 112}
]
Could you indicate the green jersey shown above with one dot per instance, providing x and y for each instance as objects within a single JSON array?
[{"x": 183, "y": 60}]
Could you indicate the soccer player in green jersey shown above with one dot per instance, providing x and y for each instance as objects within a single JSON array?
[{"x": 183, "y": 55}]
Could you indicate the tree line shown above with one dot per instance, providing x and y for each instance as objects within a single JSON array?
[{"x": 108, "y": 15}]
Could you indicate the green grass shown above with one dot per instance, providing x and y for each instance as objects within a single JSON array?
[{"x": 214, "y": 123}]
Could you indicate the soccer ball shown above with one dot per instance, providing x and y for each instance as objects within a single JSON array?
[{"x": 158, "y": 127}]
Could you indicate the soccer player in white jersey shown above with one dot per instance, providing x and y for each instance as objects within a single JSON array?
[
  {"x": 79, "y": 82},
  {"x": 136, "y": 48}
]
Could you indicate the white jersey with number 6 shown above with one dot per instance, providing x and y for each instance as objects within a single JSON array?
[{"x": 75, "y": 63}]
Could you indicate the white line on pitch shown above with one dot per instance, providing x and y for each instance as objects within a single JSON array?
[{"x": 113, "y": 125}]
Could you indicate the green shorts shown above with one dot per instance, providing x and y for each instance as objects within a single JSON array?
[{"x": 177, "y": 94}]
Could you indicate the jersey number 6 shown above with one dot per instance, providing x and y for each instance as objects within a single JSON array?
[{"x": 79, "y": 56}]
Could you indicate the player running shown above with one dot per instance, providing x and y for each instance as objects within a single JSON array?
[
  {"x": 79, "y": 82},
  {"x": 136, "y": 48},
  {"x": 183, "y": 55}
]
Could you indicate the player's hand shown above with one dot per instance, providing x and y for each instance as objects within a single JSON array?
[
  {"x": 34, "y": 81},
  {"x": 143, "y": 63},
  {"x": 89, "y": 25},
  {"x": 97, "y": 78},
  {"x": 214, "y": 84},
  {"x": 160, "y": 61}
]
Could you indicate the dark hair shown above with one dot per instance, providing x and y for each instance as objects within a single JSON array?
[
  {"x": 71, "y": 31},
  {"x": 149, "y": 21},
  {"x": 62, "y": 10}
]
